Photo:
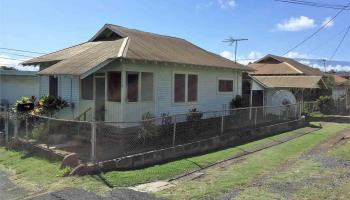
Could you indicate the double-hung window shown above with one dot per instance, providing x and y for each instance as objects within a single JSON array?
[
  {"x": 114, "y": 83},
  {"x": 185, "y": 88}
]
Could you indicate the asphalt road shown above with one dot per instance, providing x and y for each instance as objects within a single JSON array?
[{"x": 10, "y": 191}]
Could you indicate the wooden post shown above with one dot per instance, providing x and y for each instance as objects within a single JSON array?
[
  {"x": 174, "y": 131},
  {"x": 93, "y": 142}
]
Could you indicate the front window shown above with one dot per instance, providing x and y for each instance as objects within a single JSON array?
[
  {"x": 185, "y": 88},
  {"x": 133, "y": 87},
  {"x": 114, "y": 86},
  {"x": 225, "y": 86}
]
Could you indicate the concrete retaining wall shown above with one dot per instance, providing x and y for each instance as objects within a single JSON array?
[{"x": 196, "y": 148}]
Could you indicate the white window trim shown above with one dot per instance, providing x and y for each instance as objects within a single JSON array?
[
  {"x": 186, "y": 102},
  {"x": 218, "y": 79}
]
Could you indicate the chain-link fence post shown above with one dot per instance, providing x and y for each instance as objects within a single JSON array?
[
  {"x": 301, "y": 106},
  {"x": 7, "y": 119},
  {"x": 222, "y": 122},
  {"x": 93, "y": 142},
  {"x": 27, "y": 134},
  {"x": 48, "y": 134},
  {"x": 256, "y": 116},
  {"x": 15, "y": 134},
  {"x": 174, "y": 133}
]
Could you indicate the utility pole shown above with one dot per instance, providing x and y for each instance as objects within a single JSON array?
[
  {"x": 232, "y": 41},
  {"x": 324, "y": 64}
]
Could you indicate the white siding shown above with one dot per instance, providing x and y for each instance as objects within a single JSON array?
[
  {"x": 44, "y": 86},
  {"x": 68, "y": 89},
  {"x": 13, "y": 87}
]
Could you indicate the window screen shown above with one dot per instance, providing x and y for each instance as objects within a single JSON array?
[
  {"x": 114, "y": 86},
  {"x": 179, "y": 87},
  {"x": 53, "y": 86},
  {"x": 192, "y": 87},
  {"x": 133, "y": 84}
]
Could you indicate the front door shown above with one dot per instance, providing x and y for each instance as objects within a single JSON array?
[{"x": 100, "y": 98}]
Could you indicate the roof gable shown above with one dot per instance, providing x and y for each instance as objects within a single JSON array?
[
  {"x": 134, "y": 45},
  {"x": 272, "y": 64}
]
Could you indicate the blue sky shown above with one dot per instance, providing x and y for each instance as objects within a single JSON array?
[{"x": 271, "y": 27}]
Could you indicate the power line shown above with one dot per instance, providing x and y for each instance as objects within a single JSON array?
[
  {"x": 11, "y": 59},
  {"x": 315, "y": 4},
  {"x": 340, "y": 43},
  {"x": 19, "y": 50},
  {"x": 318, "y": 30},
  {"x": 14, "y": 54}
]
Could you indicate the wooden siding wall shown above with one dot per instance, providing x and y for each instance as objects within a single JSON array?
[{"x": 14, "y": 87}]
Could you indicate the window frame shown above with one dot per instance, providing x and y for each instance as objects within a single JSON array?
[
  {"x": 186, "y": 88},
  {"x": 139, "y": 99},
  {"x": 225, "y": 79}
]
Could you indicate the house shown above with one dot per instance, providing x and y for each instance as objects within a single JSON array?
[
  {"x": 278, "y": 81},
  {"x": 121, "y": 73},
  {"x": 14, "y": 84},
  {"x": 341, "y": 90}
]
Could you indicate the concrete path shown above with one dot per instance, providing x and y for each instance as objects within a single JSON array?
[{"x": 8, "y": 190}]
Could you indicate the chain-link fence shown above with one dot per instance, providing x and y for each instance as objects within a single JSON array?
[
  {"x": 313, "y": 107},
  {"x": 99, "y": 141},
  {"x": 115, "y": 139}
]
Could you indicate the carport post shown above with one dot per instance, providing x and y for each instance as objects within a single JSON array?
[
  {"x": 174, "y": 131},
  {"x": 93, "y": 142}
]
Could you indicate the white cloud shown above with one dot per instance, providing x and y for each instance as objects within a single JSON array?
[
  {"x": 227, "y": 3},
  {"x": 327, "y": 22},
  {"x": 296, "y": 24},
  {"x": 294, "y": 54},
  {"x": 228, "y": 55},
  {"x": 252, "y": 56},
  {"x": 9, "y": 62}
]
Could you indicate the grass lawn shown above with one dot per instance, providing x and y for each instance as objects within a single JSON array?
[
  {"x": 38, "y": 174},
  {"x": 238, "y": 176}
]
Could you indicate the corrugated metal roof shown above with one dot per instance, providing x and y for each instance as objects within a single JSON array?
[
  {"x": 79, "y": 59},
  {"x": 284, "y": 66},
  {"x": 340, "y": 81},
  {"x": 86, "y": 60},
  {"x": 290, "y": 81}
]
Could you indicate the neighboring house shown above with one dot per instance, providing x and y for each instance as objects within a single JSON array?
[
  {"x": 341, "y": 90},
  {"x": 276, "y": 80},
  {"x": 14, "y": 84},
  {"x": 121, "y": 73}
]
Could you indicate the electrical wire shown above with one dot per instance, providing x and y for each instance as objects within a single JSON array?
[
  {"x": 315, "y": 4},
  {"x": 318, "y": 30},
  {"x": 14, "y": 54},
  {"x": 340, "y": 43},
  {"x": 19, "y": 50}
]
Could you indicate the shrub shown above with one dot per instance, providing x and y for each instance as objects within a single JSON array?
[
  {"x": 236, "y": 102},
  {"x": 326, "y": 104},
  {"x": 148, "y": 128},
  {"x": 39, "y": 133},
  {"x": 23, "y": 106},
  {"x": 49, "y": 105}
]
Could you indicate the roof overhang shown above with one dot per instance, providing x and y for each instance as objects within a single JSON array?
[{"x": 301, "y": 82}]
